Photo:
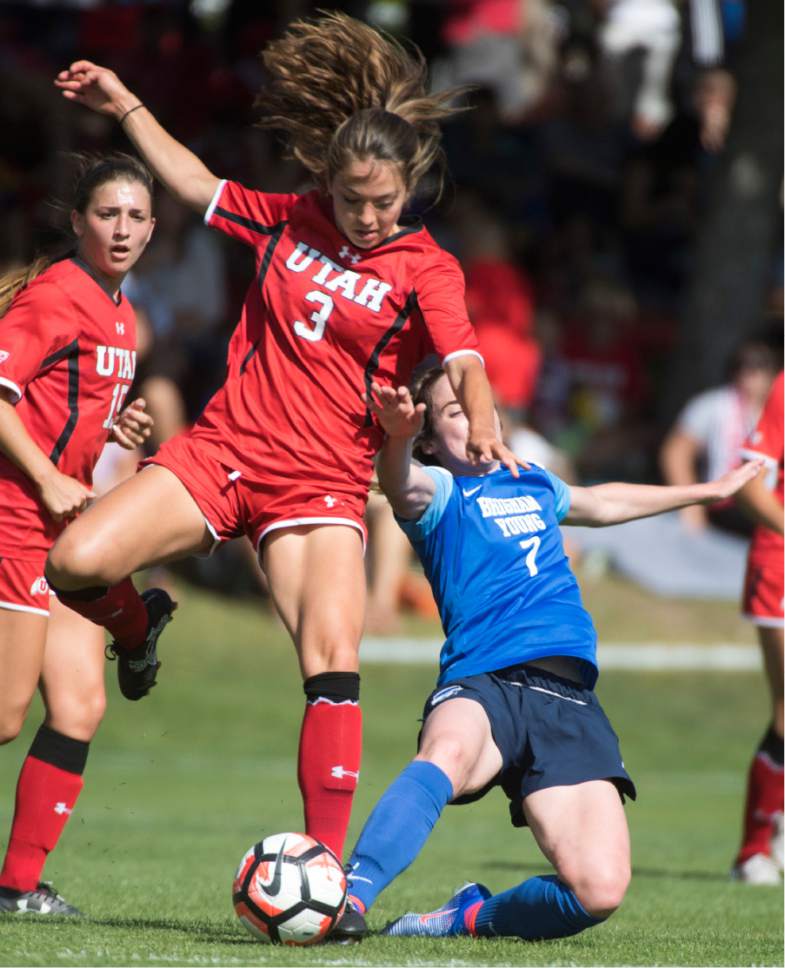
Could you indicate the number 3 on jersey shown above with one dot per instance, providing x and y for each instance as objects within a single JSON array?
[{"x": 318, "y": 318}]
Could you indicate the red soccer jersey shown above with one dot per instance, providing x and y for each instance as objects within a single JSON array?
[
  {"x": 321, "y": 320},
  {"x": 68, "y": 354},
  {"x": 766, "y": 441}
]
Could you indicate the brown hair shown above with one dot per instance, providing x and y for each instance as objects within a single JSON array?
[
  {"x": 422, "y": 392},
  {"x": 92, "y": 172},
  {"x": 340, "y": 90}
]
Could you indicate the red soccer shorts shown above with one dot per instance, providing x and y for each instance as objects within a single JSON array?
[
  {"x": 763, "y": 592},
  {"x": 233, "y": 505},
  {"x": 23, "y": 587}
]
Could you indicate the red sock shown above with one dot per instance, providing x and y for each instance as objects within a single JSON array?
[
  {"x": 764, "y": 799},
  {"x": 45, "y": 796},
  {"x": 119, "y": 609},
  {"x": 328, "y": 768}
]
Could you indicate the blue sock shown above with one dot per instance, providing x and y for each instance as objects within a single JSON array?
[
  {"x": 542, "y": 907},
  {"x": 397, "y": 828}
]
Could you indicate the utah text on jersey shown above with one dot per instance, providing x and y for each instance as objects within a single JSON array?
[{"x": 334, "y": 277}]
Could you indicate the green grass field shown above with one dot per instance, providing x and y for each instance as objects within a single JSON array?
[{"x": 180, "y": 784}]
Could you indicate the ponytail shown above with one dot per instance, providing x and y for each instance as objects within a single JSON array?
[{"x": 16, "y": 278}]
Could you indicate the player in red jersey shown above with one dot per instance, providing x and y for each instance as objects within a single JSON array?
[
  {"x": 760, "y": 857},
  {"x": 346, "y": 291},
  {"x": 67, "y": 359}
]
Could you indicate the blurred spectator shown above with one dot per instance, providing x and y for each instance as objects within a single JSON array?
[
  {"x": 181, "y": 289},
  {"x": 393, "y": 584},
  {"x": 500, "y": 300},
  {"x": 639, "y": 40},
  {"x": 608, "y": 384},
  {"x": 706, "y": 439},
  {"x": 508, "y": 47}
]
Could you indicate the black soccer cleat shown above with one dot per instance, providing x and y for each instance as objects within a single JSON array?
[
  {"x": 44, "y": 899},
  {"x": 351, "y": 927},
  {"x": 137, "y": 668}
]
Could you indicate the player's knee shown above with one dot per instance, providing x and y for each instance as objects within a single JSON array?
[
  {"x": 448, "y": 752},
  {"x": 78, "y": 716},
  {"x": 77, "y": 563},
  {"x": 11, "y": 721},
  {"x": 602, "y": 890},
  {"x": 331, "y": 652}
]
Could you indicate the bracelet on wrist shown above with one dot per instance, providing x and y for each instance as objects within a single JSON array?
[{"x": 130, "y": 111}]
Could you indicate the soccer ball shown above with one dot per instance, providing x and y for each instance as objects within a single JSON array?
[{"x": 289, "y": 889}]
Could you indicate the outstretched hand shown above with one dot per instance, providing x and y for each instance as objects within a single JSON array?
[
  {"x": 133, "y": 426},
  {"x": 396, "y": 411},
  {"x": 95, "y": 87},
  {"x": 734, "y": 480},
  {"x": 484, "y": 448}
]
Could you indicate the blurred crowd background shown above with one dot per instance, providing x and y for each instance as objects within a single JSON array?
[{"x": 615, "y": 201}]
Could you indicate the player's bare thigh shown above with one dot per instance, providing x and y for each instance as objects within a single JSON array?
[
  {"x": 72, "y": 677},
  {"x": 771, "y": 643},
  {"x": 457, "y": 738},
  {"x": 148, "y": 519},
  {"x": 317, "y": 583},
  {"x": 582, "y": 830},
  {"x": 22, "y": 640}
]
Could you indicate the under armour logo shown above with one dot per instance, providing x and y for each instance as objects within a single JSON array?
[
  {"x": 346, "y": 253},
  {"x": 120, "y": 327},
  {"x": 339, "y": 773},
  {"x": 62, "y": 808},
  {"x": 330, "y": 501},
  {"x": 4, "y": 354}
]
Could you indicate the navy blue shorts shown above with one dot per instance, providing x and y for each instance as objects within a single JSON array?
[{"x": 550, "y": 732}]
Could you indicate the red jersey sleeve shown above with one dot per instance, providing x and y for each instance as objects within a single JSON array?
[
  {"x": 40, "y": 322},
  {"x": 247, "y": 215},
  {"x": 440, "y": 289},
  {"x": 766, "y": 440}
]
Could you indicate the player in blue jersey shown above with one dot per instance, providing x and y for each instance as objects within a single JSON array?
[{"x": 514, "y": 704}]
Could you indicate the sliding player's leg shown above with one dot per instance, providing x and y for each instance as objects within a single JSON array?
[
  {"x": 582, "y": 830},
  {"x": 457, "y": 756}
]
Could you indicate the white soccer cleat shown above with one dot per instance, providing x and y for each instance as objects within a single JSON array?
[{"x": 760, "y": 870}]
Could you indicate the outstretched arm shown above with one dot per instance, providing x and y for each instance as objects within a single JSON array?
[
  {"x": 473, "y": 391},
  {"x": 408, "y": 488},
  {"x": 174, "y": 165},
  {"x": 615, "y": 503}
]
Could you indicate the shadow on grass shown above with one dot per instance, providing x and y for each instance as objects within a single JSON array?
[
  {"x": 652, "y": 872},
  {"x": 212, "y": 933}
]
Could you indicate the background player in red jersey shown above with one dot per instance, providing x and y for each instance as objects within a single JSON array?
[
  {"x": 67, "y": 358},
  {"x": 760, "y": 857},
  {"x": 347, "y": 291}
]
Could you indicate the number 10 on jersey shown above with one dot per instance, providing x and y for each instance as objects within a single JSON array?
[{"x": 118, "y": 399}]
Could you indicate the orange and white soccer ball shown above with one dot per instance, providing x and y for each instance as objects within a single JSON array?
[{"x": 289, "y": 889}]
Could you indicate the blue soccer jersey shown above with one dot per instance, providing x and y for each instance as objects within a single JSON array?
[{"x": 492, "y": 550}]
